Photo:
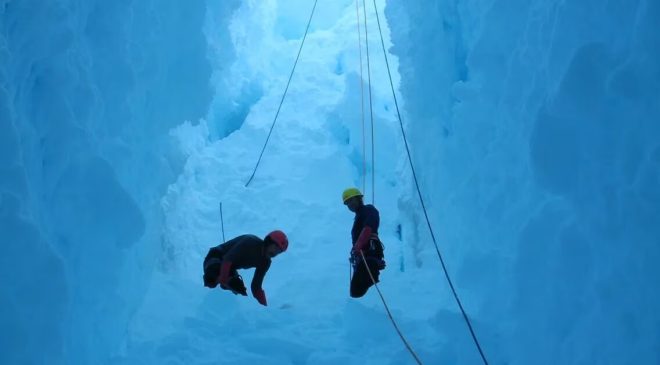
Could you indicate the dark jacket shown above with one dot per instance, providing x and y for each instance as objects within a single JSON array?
[
  {"x": 246, "y": 251},
  {"x": 366, "y": 215}
]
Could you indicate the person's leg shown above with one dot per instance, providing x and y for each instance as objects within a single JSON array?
[
  {"x": 361, "y": 281},
  {"x": 236, "y": 284},
  {"x": 374, "y": 271}
]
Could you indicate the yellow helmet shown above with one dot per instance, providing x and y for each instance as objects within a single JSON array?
[{"x": 349, "y": 193}]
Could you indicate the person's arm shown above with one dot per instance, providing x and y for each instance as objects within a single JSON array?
[
  {"x": 363, "y": 239},
  {"x": 225, "y": 269},
  {"x": 228, "y": 259},
  {"x": 257, "y": 281}
]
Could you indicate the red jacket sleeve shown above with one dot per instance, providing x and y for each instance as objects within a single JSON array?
[
  {"x": 224, "y": 272},
  {"x": 363, "y": 239},
  {"x": 261, "y": 296}
]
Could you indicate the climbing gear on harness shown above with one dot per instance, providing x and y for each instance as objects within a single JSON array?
[
  {"x": 353, "y": 259},
  {"x": 373, "y": 253},
  {"x": 379, "y": 264},
  {"x": 376, "y": 246},
  {"x": 279, "y": 238},
  {"x": 349, "y": 193}
]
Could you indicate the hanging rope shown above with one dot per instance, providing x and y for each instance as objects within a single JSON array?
[
  {"x": 350, "y": 275},
  {"x": 419, "y": 193},
  {"x": 371, "y": 109},
  {"x": 284, "y": 94},
  {"x": 364, "y": 143},
  {"x": 389, "y": 314},
  {"x": 222, "y": 224},
  {"x": 364, "y": 166}
]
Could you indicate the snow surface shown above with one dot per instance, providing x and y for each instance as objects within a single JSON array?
[{"x": 533, "y": 127}]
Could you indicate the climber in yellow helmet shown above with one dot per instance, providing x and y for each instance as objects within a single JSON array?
[{"x": 365, "y": 240}]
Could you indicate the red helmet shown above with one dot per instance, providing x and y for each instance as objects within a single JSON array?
[{"x": 278, "y": 238}]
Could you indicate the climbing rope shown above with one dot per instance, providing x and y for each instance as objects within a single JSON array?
[
  {"x": 364, "y": 143},
  {"x": 284, "y": 94},
  {"x": 419, "y": 193},
  {"x": 371, "y": 109},
  {"x": 389, "y": 314},
  {"x": 222, "y": 223},
  {"x": 350, "y": 274}
]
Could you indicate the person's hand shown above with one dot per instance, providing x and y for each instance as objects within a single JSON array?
[{"x": 260, "y": 295}]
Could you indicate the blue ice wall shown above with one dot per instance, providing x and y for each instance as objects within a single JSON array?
[
  {"x": 88, "y": 93},
  {"x": 535, "y": 127},
  {"x": 228, "y": 108}
]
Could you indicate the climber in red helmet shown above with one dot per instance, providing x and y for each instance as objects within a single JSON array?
[{"x": 243, "y": 252}]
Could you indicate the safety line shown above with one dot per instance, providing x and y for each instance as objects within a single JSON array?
[
  {"x": 350, "y": 274},
  {"x": 364, "y": 143},
  {"x": 222, "y": 224},
  {"x": 371, "y": 109},
  {"x": 284, "y": 94},
  {"x": 428, "y": 222},
  {"x": 364, "y": 260}
]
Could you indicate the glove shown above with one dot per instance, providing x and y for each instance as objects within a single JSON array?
[{"x": 261, "y": 296}]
